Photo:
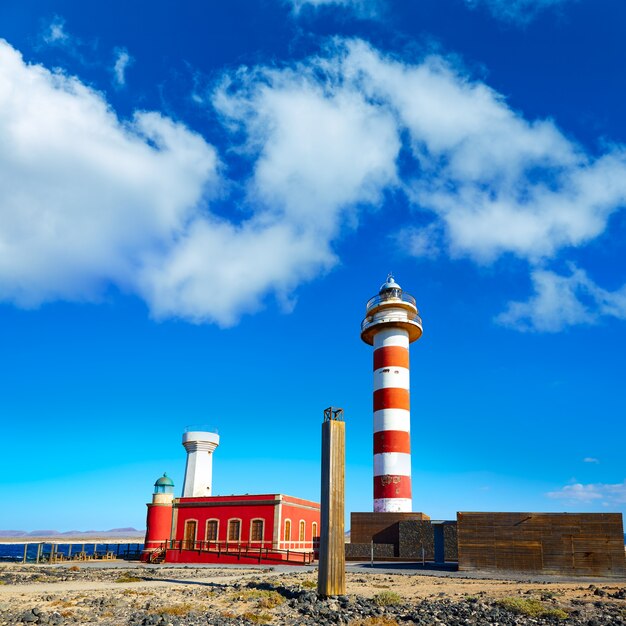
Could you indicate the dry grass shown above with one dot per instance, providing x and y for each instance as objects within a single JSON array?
[
  {"x": 375, "y": 621},
  {"x": 127, "y": 578},
  {"x": 181, "y": 610},
  {"x": 266, "y": 599},
  {"x": 531, "y": 608},
  {"x": 387, "y": 598},
  {"x": 135, "y": 592},
  {"x": 309, "y": 584},
  {"x": 257, "y": 618},
  {"x": 74, "y": 568}
]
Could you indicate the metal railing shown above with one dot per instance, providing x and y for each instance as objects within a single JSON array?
[
  {"x": 379, "y": 299},
  {"x": 258, "y": 550},
  {"x": 403, "y": 317}
]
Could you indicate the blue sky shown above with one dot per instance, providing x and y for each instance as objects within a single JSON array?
[{"x": 197, "y": 200}]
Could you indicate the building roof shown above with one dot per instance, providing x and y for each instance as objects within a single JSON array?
[{"x": 164, "y": 481}]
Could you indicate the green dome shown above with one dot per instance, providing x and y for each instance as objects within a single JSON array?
[{"x": 164, "y": 481}]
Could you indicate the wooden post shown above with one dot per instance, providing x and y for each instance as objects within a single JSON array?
[
  {"x": 331, "y": 578},
  {"x": 38, "y": 552},
  {"x": 25, "y": 551}
]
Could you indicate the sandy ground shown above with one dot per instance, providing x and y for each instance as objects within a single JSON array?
[
  {"x": 409, "y": 586},
  {"x": 49, "y": 586}
]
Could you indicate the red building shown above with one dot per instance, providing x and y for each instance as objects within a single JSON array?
[
  {"x": 250, "y": 528},
  {"x": 262, "y": 528}
]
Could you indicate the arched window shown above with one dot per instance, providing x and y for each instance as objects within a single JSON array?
[
  {"x": 256, "y": 530},
  {"x": 314, "y": 531},
  {"x": 212, "y": 527},
  {"x": 287, "y": 530},
  {"x": 234, "y": 529},
  {"x": 302, "y": 530}
]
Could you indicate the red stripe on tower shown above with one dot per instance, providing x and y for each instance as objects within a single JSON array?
[
  {"x": 392, "y": 441},
  {"x": 391, "y": 356},
  {"x": 391, "y": 398},
  {"x": 386, "y": 487}
]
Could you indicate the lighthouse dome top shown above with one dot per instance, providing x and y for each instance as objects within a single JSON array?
[
  {"x": 164, "y": 485},
  {"x": 389, "y": 284},
  {"x": 164, "y": 481}
]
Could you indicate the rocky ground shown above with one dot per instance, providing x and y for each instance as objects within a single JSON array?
[{"x": 137, "y": 596}]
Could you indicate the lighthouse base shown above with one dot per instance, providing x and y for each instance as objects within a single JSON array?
[{"x": 393, "y": 505}]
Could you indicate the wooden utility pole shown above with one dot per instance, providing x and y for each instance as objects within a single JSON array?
[{"x": 331, "y": 578}]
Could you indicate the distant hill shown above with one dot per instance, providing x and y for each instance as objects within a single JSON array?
[{"x": 113, "y": 533}]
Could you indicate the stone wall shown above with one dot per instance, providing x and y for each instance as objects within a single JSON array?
[
  {"x": 397, "y": 536},
  {"x": 451, "y": 541},
  {"x": 363, "y": 551},
  {"x": 412, "y": 537}
]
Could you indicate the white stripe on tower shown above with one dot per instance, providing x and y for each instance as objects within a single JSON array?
[{"x": 392, "y": 447}]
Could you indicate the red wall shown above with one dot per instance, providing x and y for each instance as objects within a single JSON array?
[
  {"x": 247, "y": 508},
  {"x": 158, "y": 527},
  {"x": 296, "y": 514},
  {"x": 244, "y": 508}
]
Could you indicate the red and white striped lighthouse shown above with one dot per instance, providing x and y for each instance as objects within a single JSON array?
[{"x": 391, "y": 323}]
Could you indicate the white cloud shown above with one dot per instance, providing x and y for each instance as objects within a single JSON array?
[
  {"x": 517, "y": 10},
  {"x": 122, "y": 61},
  {"x": 318, "y": 148},
  {"x": 561, "y": 301},
  {"x": 55, "y": 32},
  {"x": 421, "y": 242},
  {"x": 590, "y": 459},
  {"x": 217, "y": 271},
  {"x": 362, "y": 8},
  {"x": 89, "y": 201},
  {"x": 499, "y": 183},
  {"x": 84, "y": 196},
  {"x": 612, "y": 494}
]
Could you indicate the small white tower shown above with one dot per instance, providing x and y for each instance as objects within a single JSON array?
[{"x": 199, "y": 469}]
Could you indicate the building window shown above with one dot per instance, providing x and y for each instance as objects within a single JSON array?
[
  {"x": 211, "y": 530},
  {"x": 256, "y": 530},
  {"x": 314, "y": 531},
  {"x": 234, "y": 529},
  {"x": 302, "y": 529},
  {"x": 190, "y": 534},
  {"x": 287, "y": 530}
]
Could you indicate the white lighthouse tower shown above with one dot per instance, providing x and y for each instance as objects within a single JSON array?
[
  {"x": 199, "y": 469},
  {"x": 391, "y": 323}
]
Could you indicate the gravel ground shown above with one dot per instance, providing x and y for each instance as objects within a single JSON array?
[{"x": 176, "y": 596}]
